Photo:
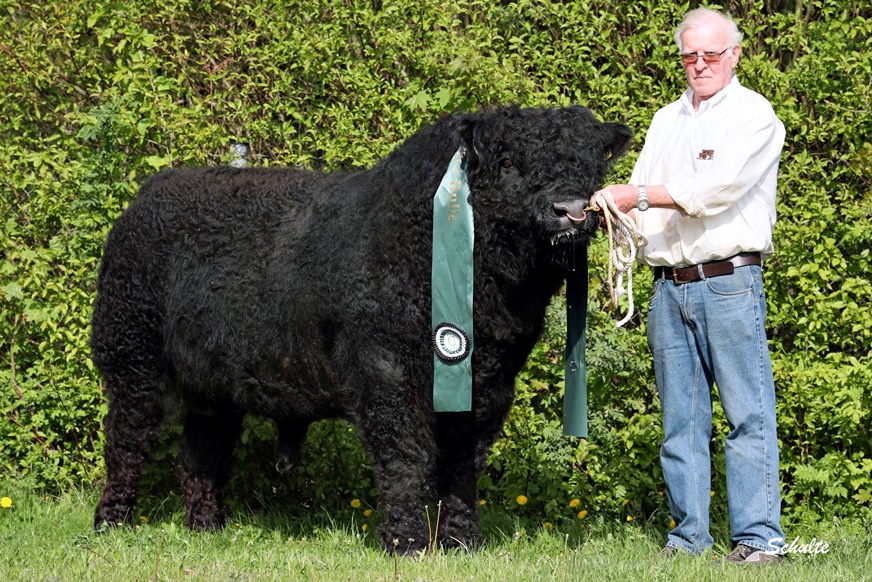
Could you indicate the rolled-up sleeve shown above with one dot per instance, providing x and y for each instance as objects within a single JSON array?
[{"x": 747, "y": 151}]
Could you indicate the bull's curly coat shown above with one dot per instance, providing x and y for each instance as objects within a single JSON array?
[{"x": 298, "y": 296}]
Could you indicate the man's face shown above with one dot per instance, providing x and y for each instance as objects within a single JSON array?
[{"x": 707, "y": 79}]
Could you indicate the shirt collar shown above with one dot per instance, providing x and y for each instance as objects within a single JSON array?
[{"x": 686, "y": 98}]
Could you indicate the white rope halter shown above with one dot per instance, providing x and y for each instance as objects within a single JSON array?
[{"x": 624, "y": 242}]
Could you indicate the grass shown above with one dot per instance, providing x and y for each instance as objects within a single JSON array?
[{"x": 50, "y": 538}]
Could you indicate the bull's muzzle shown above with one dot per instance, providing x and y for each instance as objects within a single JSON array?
[{"x": 571, "y": 213}]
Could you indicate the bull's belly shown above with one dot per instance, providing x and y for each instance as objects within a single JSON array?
[{"x": 282, "y": 388}]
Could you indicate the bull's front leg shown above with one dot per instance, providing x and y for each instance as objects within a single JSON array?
[
  {"x": 399, "y": 440},
  {"x": 462, "y": 455}
]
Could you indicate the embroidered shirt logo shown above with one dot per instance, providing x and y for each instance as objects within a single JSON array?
[{"x": 706, "y": 155}]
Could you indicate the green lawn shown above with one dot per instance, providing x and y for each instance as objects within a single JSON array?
[{"x": 50, "y": 538}]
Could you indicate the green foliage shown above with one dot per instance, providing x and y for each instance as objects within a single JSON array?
[{"x": 97, "y": 95}]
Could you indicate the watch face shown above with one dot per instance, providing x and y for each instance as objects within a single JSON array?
[{"x": 643, "y": 204}]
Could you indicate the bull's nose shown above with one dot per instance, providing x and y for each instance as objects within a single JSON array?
[{"x": 574, "y": 210}]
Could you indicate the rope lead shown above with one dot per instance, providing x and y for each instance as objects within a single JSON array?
[{"x": 624, "y": 242}]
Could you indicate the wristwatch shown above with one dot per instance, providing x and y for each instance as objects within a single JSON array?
[{"x": 642, "y": 203}]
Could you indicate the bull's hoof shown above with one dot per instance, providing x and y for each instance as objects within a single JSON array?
[
  {"x": 110, "y": 517},
  {"x": 205, "y": 522},
  {"x": 404, "y": 541},
  {"x": 468, "y": 543}
]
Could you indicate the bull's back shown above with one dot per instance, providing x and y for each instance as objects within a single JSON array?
[{"x": 185, "y": 267}]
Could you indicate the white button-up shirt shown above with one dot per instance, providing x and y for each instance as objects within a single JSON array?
[{"x": 720, "y": 165}]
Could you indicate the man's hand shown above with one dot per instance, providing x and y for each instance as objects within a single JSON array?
[{"x": 624, "y": 195}]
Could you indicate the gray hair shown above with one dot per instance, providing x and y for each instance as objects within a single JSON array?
[{"x": 696, "y": 17}]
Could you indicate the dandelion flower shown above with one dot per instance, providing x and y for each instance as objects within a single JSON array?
[
  {"x": 367, "y": 513},
  {"x": 672, "y": 523},
  {"x": 521, "y": 499},
  {"x": 625, "y": 501},
  {"x": 548, "y": 526},
  {"x": 574, "y": 503},
  {"x": 143, "y": 518},
  {"x": 712, "y": 494},
  {"x": 364, "y": 527},
  {"x": 629, "y": 518},
  {"x": 582, "y": 514},
  {"x": 482, "y": 502},
  {"x": 6, "y": 503},
  {"x": 355, "y": 503}
]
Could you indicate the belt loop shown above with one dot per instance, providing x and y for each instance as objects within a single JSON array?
[{"x": 701, "y": 272}]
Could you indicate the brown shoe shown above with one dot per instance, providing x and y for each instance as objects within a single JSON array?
[{"x": 747, "y": 555}]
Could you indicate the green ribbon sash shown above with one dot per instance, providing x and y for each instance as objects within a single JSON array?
[
  {"x": 452, "y": 287},
  {"x": 451, "y": 311},
  {"x": 575, "y": 392}
]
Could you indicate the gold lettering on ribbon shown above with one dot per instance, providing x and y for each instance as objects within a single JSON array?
[{"x": 453, "y": 205}]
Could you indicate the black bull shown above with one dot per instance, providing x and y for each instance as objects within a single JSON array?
[{"x": 299, "y": 296}]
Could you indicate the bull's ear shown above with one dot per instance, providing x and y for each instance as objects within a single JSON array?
[
  {"x": 468, "y": 130},
  {"x": 620, "y": 137}
]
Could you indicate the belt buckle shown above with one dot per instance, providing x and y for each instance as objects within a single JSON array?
[{"x": 676, "y": 277}]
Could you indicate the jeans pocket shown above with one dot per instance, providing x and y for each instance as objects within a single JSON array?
[
  {"x": 656, "y": 288},
  {"x": 741, "y": 282}
]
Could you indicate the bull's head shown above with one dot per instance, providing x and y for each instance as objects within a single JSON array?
[{"x": 533, "y": 171}]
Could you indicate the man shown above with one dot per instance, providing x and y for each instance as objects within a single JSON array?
[{"x": 703, "y": 190}]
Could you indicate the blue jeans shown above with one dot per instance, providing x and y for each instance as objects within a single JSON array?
[{"x": 703, "y": 334}]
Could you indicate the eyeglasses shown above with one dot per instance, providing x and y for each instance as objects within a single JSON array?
[{"x": 709, "y": 58}]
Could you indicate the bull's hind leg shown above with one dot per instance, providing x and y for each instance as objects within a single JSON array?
[
  {"x": 207, "y": 453},
  {"x": 132, "y": 427}
]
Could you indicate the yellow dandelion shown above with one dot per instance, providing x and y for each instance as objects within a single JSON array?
[
  {"x": 482, "y": 502},
  {"x": 6, "y": 503},
  {"x": 355, "y": 503},
  {"x": 672, "y": 523},
  {"x": 367, "y": 513},
  {"x": 143, "y": 518},
  {"x": 712, "y": 494},
  {"x": 522, "y": 500},
  {"x": 582, "y": 514},
  {"x": 629, "y": 518},
  {"x": 548, "y": 526},
  {"x": 574, "y": 503},
  {"x": 625, "y": 501},
  {"x": 364, "y": 527}
]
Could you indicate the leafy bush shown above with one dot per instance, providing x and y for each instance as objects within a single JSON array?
[{"x": 97, "y": 95}]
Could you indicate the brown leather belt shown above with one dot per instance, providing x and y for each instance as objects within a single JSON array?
[{"x": 707, "y": 270}]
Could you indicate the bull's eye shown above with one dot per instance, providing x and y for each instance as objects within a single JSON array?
[{"x": 507, "y": 163}]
